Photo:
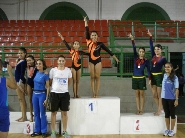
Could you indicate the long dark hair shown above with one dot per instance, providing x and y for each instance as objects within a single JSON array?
[
  {"x": 32, "y": 57},
  {"x": 24, "y": 51},
  {"x": 44, "y": 63},
  {"x": 172, "y": 73}
]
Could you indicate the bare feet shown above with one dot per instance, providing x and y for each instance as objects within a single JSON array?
[
  {"x": 157, "y": 113},
  {"x": 18, "y": 119},
  {"x": 138, "y": 112},
  {"x": 77, "y": 96},
  {"x": 22, "y": 120},
  {"x": 31, "y": 118},
  {"x": 141, "y": 112}
]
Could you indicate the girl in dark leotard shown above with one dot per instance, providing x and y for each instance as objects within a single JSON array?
[
  {"x": 158, "y": 61},
  {"x": 21, "y": 81},
  {"x": 76, "y": 63},
  {"x": 95, "y": 66},
  {"x": 138, "y": 78},
  {"x": 31, "y": 72}
]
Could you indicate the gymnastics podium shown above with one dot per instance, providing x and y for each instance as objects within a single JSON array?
[
  {"x": 94, "y": 116},
  {"x": 143, "y": 124}
]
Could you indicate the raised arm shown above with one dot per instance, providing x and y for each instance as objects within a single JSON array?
[
  {"x": 151, "y": 44},
  {"x": 68, "y": 47},
  {"x": 10, "y": 82},
  {"x": 133, "y": 44},
  {"x": 86, "y": 28}
]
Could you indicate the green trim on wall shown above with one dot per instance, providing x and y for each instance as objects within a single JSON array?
[
  {"x": 147, "y": 5},
  {"x": 3, "y": 15},
  {"x": 63, "y": 11}
]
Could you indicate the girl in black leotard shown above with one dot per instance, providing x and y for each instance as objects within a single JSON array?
[
  {"x": 95, "y": 65},
  {"x": 76, "y": 63}
]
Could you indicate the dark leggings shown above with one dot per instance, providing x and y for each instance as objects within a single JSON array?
[{"x": 169, "y": 108}]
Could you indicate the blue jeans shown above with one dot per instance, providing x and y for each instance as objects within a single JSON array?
[{"x": 39, "y": 112}]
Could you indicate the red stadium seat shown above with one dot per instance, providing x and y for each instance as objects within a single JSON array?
[
  {"x": 54, "y": 34},
  {"x": 105, "y": 34},
  {"x": 48, "y": 39},
  {"x": 38, "y": 33},
  {"x": 22, "y": 39},
  {"x": 14, "y": 39},
  {"x": 47, "y": 34},
  {"x": 81, "y": 34},
  {"x": 106, "y": 63},
  {"x": 15, "y": 33},
  {"x": 30, "y": 33},
  {"x": 31, "y": 28},
  {"x": 49, "y": 62},
  {"x": 1, "y": 28},
  {"x": 40, "y": 39},
  {"x": 5, "y": 39},
  {"x": 104, "y": 29},
  {"x": 30, "y": 39},
  {"x": 23, "y": 28},
  {"x": 72, "y": 34},
  {"x": 15, "y": 28},
  {"x": 7, "y": 33},
  {"x": 55, "y": 44},
  {"x": 57, "y": 40}
]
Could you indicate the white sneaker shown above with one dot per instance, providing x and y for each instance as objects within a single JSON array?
[
  {"x": 166, "y": 132},
  {"x": 171, "y": 133}
]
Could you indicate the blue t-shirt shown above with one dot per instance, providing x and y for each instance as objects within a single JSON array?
[
  {"x": 3, "y": 92},
  {"x": 40, "y": 81},
  {"x": 168, "y": 87}
]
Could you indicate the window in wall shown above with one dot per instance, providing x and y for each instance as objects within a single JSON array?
[
  {"x": 145, "y": 14},
  {"x": 64, "y": 13},
  {"x": 3, "y": 15}
]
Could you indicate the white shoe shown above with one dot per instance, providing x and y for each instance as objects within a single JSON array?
[
  {"x": 166, "y": 132},
  {"x": 171, "y": 133}
]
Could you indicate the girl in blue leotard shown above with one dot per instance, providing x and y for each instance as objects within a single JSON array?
[{"x": 138, "y": 78}]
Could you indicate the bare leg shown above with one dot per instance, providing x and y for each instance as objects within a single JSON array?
[
  {"x": 173, "y": 124},
  {"x": 53, "y": 120},
  {"x": 142, "y": 101},
  {"x": 78, "y": 75},
  {"x": 74, "y": 81},
  {"x": 3, "y": 134},
  {"x": 98, "y": 68},
  {"x": 137, "y": 101},
  {"x": 64, "y": 120},
  {"x": 30, "y": 93},
  {"x": 156, "y": 99},
  {"x": 160, "y": 100},
  {"x": 22, "y": 101},
  {"x": 92, "y": 73},
  {"x": 167, "y": 120}
]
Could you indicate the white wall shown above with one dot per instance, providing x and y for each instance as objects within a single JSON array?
[{"x": 111, "y": 9}]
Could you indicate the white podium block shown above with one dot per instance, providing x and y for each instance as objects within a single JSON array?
[
  {"x": 93, "y": 116},
  {"x": 143, "y": 124},
  {"x": 18, "y": 127}
]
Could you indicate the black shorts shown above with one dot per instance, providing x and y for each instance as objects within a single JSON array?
[{"x": 59, "y": 100}]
